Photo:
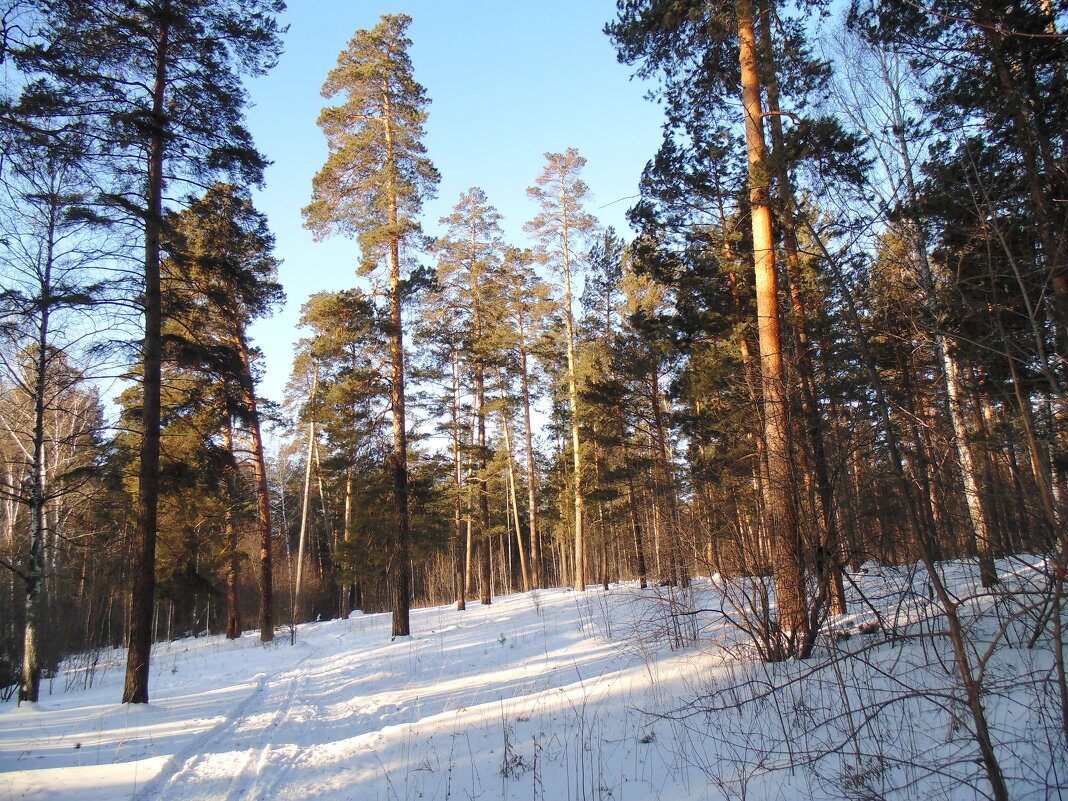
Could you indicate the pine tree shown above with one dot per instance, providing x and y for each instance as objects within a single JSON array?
[
  {"x": 469, "y": 265},
  {"x": 704, "y": 55},
  {"x": 559, "y": 228},
  {"x": 220, "y": 278},
  {"x": 159, "y": 85},
  {"x": 372, "y": 186},
  {"x": 528, "y": 302}
]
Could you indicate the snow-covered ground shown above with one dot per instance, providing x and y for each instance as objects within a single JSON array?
[{"x": 554, "y": 695}]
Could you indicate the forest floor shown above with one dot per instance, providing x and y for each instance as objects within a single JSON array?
[{"x": 625, "y": 695}]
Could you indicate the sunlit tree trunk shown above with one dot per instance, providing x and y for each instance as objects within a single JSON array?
[
  {"x": 576, "y": 445},
  {"x": 829, "y": 560},
  {"x": 399, "y": 566},
  {"x": 233, "y": 563},
  {"x": 532, "y": 479},
  {"x": 789, "y": 576},
  {"x": 457, "y": 546},
  {"x": 263, "y": 497}
]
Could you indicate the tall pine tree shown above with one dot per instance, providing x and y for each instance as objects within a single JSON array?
[
  {"x": 469, "y": 267},
  {"x": 559, "y": 227},
  {"x": 159, "y": 82},
  {"x": 372, "y": 187}
]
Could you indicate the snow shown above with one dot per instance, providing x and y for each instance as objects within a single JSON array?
[{"x": 556, "y": 695}]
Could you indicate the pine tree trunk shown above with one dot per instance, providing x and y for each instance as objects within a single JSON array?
[
  {"x": 399, "y": 567},
  {"x": 532, "y": 501},
  {"x": 143, "y": 589},
  {"x": 263, "y": 497},
  {"x": 485, "y": 562},
  {"x": 572, "y": 393},
  {"x": 233, "y": 564},
  {"x": 459, "y": 570},
  {"x": 828, "y": 564},
  {"x": 347, "y": 599},
  {"x": 789, "y": 576},
  {"x": 755, "y": 558}
]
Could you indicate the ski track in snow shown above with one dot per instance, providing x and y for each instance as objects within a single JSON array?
[
  {"x": 219, "y": 756},
  {"x": 331, "y": 716},
  {"x": 547, "y": 696}
]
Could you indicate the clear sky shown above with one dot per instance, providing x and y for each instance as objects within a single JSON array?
[{"x": 508, "y": 82}]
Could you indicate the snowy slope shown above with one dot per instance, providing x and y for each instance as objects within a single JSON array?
[{"x": 551, "y": 695}]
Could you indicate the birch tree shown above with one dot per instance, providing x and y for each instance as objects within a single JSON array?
[{"x": 47, "y": 290}]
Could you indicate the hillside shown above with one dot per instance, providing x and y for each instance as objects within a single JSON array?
[{"x": 557, "y": 695}]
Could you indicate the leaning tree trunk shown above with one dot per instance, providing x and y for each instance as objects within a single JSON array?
[{"x": 399, "y": 567}]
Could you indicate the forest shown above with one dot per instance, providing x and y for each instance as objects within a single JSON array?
[{"x": 835, "y": 334}]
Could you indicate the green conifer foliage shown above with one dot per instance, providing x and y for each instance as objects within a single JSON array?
[
  {"x": 158, "y": 84},
  {"x": 372, "y": 187},
  {"x": 559, "y": 228}
]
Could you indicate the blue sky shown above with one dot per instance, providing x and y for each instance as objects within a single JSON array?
[{"x": 508, "y": 82}]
